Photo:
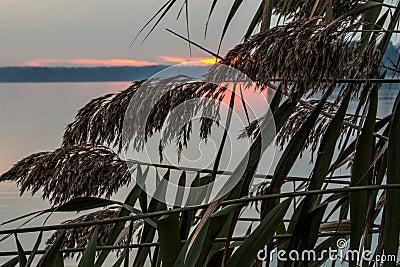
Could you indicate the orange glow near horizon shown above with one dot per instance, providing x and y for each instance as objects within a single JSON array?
[
  {"x": 88, "y": 62},
  {"x": 194, "y": 60}
]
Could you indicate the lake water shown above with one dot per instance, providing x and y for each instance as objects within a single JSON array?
[{"x": 32, "y": 119}]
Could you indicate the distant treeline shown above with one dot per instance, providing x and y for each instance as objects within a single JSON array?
[{"x": 76, "y": 74}]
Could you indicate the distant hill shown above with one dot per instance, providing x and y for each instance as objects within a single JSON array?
[
  {"x": 87, "y": 74},
  {"x": 76, "y": 74}
]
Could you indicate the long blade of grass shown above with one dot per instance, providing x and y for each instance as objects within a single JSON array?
[
  {"x": 373, "y": 212},
  {"x": 187, "y": 217},
  {"x": 198, "y": 191},
  {"x": 214, "y": 204},
  {"x": 130, "y": 200},
  {"x": 209, "y": 16},
  {"x": 255, "y": 21},
  {"x": 382, "y": 46},
  {"x": 89, "y": 254},
  {"x": 35, "y": 249},
  {"x": 180, "y": 261},
  {"x": 194, "y": 252},
  {"x": 59, "y": 260},
  {"x": 232, "y": 12},
  {"x": 171, "y": 4},
  {"x": 216, "y": 226},
  {"x": 50, "y": 257},
  {"x": 220, "y": 222},
  {"x": 328, "y": 145},
  {"x": 244, "y": 105},
  {"x": 292, "y": 151},
  {"x": 148, "y": 232},
  {"x": 392, "y": 226},
  {"x": 345, "y": 153},
  {"x": 77, "y": 204},
  {"x": 290, "y": 229},
  {"x": 180, "y": 192},
  {"x": 180, "y": 10},
  {"x": 369, "y": 19},
  {"x": 195, "y": 44},
  {"x": 266, "y": 15},
  {"x": 84, "y": 203},
  {"x": 170, "y": 239},
  {"x": 120, "y": 259},
  {"x": 215, "y": 257},
  {"x": 21, "y": 252},
  {"x": 229, "y": 209},
  {"x": 307, "y": 224},
  {"x": 246, "y": 254},
  {"x": 35, "y": 214},
  {"x": 358, "y": 10},
  {"x": 150, "y": 20},
  {"x": 253, "y": 155},
  {"x": 11, "y": 263},
  {"x": 128, "y": 242},
  {"x": 359, "y": 173},
  {"x": 225, "y": 134},
  {"x": 187, "y": 25},
  {"x": 243, "y": 186}
]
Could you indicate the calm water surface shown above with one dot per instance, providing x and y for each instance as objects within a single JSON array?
[{"x": 33, "y": 117}]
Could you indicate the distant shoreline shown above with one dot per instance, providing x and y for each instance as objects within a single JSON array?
[
  {"x": 76, "y": 74},
  {"x": 83, "y": 74},
  {"x": 67, "y": 81}
]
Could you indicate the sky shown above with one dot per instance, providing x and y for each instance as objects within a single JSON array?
[{"x": 99, "y": 32}]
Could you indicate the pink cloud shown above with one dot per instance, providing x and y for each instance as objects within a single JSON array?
[
  {"x": 39, "y": 63},
  {"x": 88, "y": 62},
  {"x": 111, "y": 62}
]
